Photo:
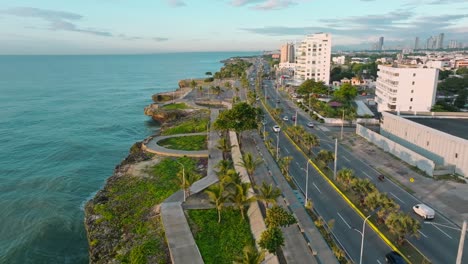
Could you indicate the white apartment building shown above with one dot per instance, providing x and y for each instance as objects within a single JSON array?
[
  {"x": 405, "y": 88},
  {"x": 339, "y": 60},
  {"x": 313, "y": 58}
]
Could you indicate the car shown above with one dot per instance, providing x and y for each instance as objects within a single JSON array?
[
  {"x": 394, "y": 258},
  {"x": 293, "y": 118},
  {"x": 424, "y": 211},
  {"x": 310, "y": 124},
  {"x": 278, "y": 101},
  {"x": 276, "y": 128},
  {"x": 285, "y": 118}
]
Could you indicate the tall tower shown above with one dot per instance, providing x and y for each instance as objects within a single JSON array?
[
  {"x": 440, "y": 41},
  {"x": 416, "y": 43},
  {"x": 313, "y": 58},
  {"x": 381, "y": 43}
]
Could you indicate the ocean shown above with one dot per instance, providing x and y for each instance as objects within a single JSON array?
[{"x": 65, "y": 123}]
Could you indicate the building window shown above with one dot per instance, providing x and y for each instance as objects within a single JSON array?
[
  {"x": 411, "y": 99},
  {"x": 414, "y": 74},
  {"x": 318, "y": 74},
  {"x": 413, "y": 83},
  {"x": 412, "y": 91},
  {"x": 456, "y": 155},
  {"x": 427, "y": 143},
  {"x": 410, "y": 107}
]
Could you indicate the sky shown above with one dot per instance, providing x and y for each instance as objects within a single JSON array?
[{"x": 155, "y": 26}]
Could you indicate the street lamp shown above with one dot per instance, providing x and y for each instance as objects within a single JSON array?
[
  {"x": 295, "y": 119},
  {"x": 183, "y": 177},
  {"x": 363, "y": 232},
  {"x": 277, "y": 145},
  {"x": 264, "y": 125},
  {"x": 307, "y": 183}
]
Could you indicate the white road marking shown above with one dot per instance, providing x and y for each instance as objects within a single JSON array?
[
  {"x": 379, "y": 262},
  {"x": 397, "y": 198},
  {"x": 344, "y": 221},
  {"x": 346, "y": 158},
  {"x": 316, "y": 187},
  {"x": 298, "y": 164},
  {"x": 367, "y": 175},
  {"x": 422, "y": 234},
  {"x": 442, "y": 231},
  {"x": 287, "y": 150}
]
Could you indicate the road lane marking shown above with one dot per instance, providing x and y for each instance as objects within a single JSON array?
[
  {"x": 346, "y": 158},
  {"x": 367, "y": 175},
  {"x": 316, "y": 187},
  {"x": 422, "y": 234},
  {"x": 442, "y": 231},
  {"x": 397, "y": 198},
  {"x": 287, "y": 150},
  {"x": 379, "y": 262},
  {"x": 344, "y": 221},
  {"x": 298, "y": 164}
]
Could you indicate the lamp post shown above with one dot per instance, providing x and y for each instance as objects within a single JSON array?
[
  {"x": 342, "y": 123},
  {"x": 363, "y": 233},
  {"x": 307, "y": 184},
  {"x": 295, "y": 119},
  {"x": 336, "y": 158},
  {"x": 183, "y": 177},
  {"x": 277, "y": 145}
]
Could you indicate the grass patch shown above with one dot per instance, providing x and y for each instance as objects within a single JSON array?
[
  {"x": 190, "y": 126},
  {"x": 126, "y": 209},
  {"x": 198, "y": 142},
  {"x": 220, "y": 242},
  {"x": 158, "y": 98},
  {"x": 175, "y": 106},
  {"x": 449, "y": 177}
]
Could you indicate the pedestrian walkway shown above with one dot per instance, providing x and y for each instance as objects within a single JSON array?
[
  {"x": 182, "y": 246},
  {"x": 303, "y": 243},
  {"x": 153, "y": 147}
]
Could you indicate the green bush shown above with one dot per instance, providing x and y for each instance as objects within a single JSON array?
[
  {"x": 190, "y": 126},
  {"x": 198, "y": 142}
]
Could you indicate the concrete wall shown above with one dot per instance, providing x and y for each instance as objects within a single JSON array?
[
  {"x": 398, "y": 150},
  {"x": 442, "y": 148}
]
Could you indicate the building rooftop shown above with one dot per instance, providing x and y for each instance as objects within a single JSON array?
[{"x": 454, "y": 126}]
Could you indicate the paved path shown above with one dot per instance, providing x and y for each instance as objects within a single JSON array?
[
  {"x": 153, "y": 147},
  {"x": 182, "y": 246},
  {"x": 298, "y": 245}
]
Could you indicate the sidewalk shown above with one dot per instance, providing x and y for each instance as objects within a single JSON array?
[
  {"x": 153, "y": 147},
  {"x": 303, "y": 240}
]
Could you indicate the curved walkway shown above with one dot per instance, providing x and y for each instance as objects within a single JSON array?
[{"x": 153, "y": 147}]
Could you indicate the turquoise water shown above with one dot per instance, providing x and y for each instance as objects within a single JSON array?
[{"x": 65, "y": 122}]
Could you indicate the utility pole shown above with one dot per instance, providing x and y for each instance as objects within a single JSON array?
[
  {"x": 336, "y": 158},
  {"x": 342, "y": 123},
  {"x": 307, "y": 184},
  {"x": 277, "y": 146},
  {"x": 461, "y": 243},
  {"x": 295, "y": 122}
]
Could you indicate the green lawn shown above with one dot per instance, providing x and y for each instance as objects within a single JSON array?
[
  {"x": 220, "y": 242},
  {"x": 175, "y": 106},
  {"x": 185, "y": 143},
  {"x": 127, "y": 211},
  {"x": 190, "y": 126}
]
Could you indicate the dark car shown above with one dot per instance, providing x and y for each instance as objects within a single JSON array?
[{"x": 394, "y": 258}]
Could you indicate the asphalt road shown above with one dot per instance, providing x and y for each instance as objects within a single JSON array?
[{"x": 439, "y": 238}]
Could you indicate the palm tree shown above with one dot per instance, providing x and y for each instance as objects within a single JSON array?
[
  {"x": 249, "y": 163},
  {"x": 268, "y": 193},
  {"x": 190, "y": 178},
  {"x": 311, "y": 141},
  {"x": 324, "y": 157},
  {"x": 224, "y": 146},
  {"x": 387, "y": 206},
  {"x": 285, "y": 163},
  {"x": 250, "y": 256},
  {"x": 223, "y": 166},
  {"x": 402, "y": 225},
  {"x": 362, "y": 186},
  {"x": 217, "y": 197},
  {"x": 241, "y": 198},
  {"x": 373, "y": 200},
  {"x": 345, "y": 176}
]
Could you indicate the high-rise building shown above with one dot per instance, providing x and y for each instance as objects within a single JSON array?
[
  {"x": 453, "y": 44},
  {"x": 380, "y": 46},
  {"x": 405, "y": 88},
  {"x": 416, "y": 43},
  {"x": 287, "y": 53},
  {"x": 440, "y": 41},
  {"x": 313, "y": 58}
]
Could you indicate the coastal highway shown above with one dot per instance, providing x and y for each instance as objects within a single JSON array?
[{"x": 438, "y": 238}]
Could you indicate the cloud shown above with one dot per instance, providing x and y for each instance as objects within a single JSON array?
[
  {"x": 58, "y": 20},
  {"x": 160, "y": 39},
  {"x": 446, "y": 2},
  {"x": 265, "y": 4},
  {"x": 176, "y": 3}
]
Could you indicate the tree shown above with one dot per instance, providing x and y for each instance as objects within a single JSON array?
[
  {"x": 241, "y": 117},
  {"x": 444, "y": 74},
  {"x": 346, "y": 93},
  {"x": 402, "y": 225},
  {"x": 223, "y": 166},
  {"x": 325, "y": 157},
  {"x": 285, "y": 163},
  {"x": 271, "y": 239},
  {"x": 387, "y": 206},
  {"x": 462, "y": 71},
  {"x": 461, "y": 99},
  {"x": 208, "y": 73},
  {"x": 311, "y": 141},
  {"x": 345, "y": 176},
  {"x": 193, "y": 84},
  {"x": 217, "y": 197},
  {"x": 278, "y": 217},
  {"x": 374, "y": 199},
  {"x": 250, "y": 256},
  {"x": 190, "y": 178},
  {"x": 241, "y": 198},
  {"x": 311, "y": 86},
  {"x": 268, "y": 194},
  {"x": 362, "y": 186},
  {"x": 249, "y": 163},
  {"x": 224, "y": 146}
]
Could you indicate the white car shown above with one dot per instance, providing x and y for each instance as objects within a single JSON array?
[
  {"x": 310, "y": 124},
  {"x": 285, "y": 118},
  {"x": 276, "y": 128},
  {"x": 424, "y": 211}
]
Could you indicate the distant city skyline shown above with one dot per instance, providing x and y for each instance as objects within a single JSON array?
[{"x": 144, "y": 26}]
